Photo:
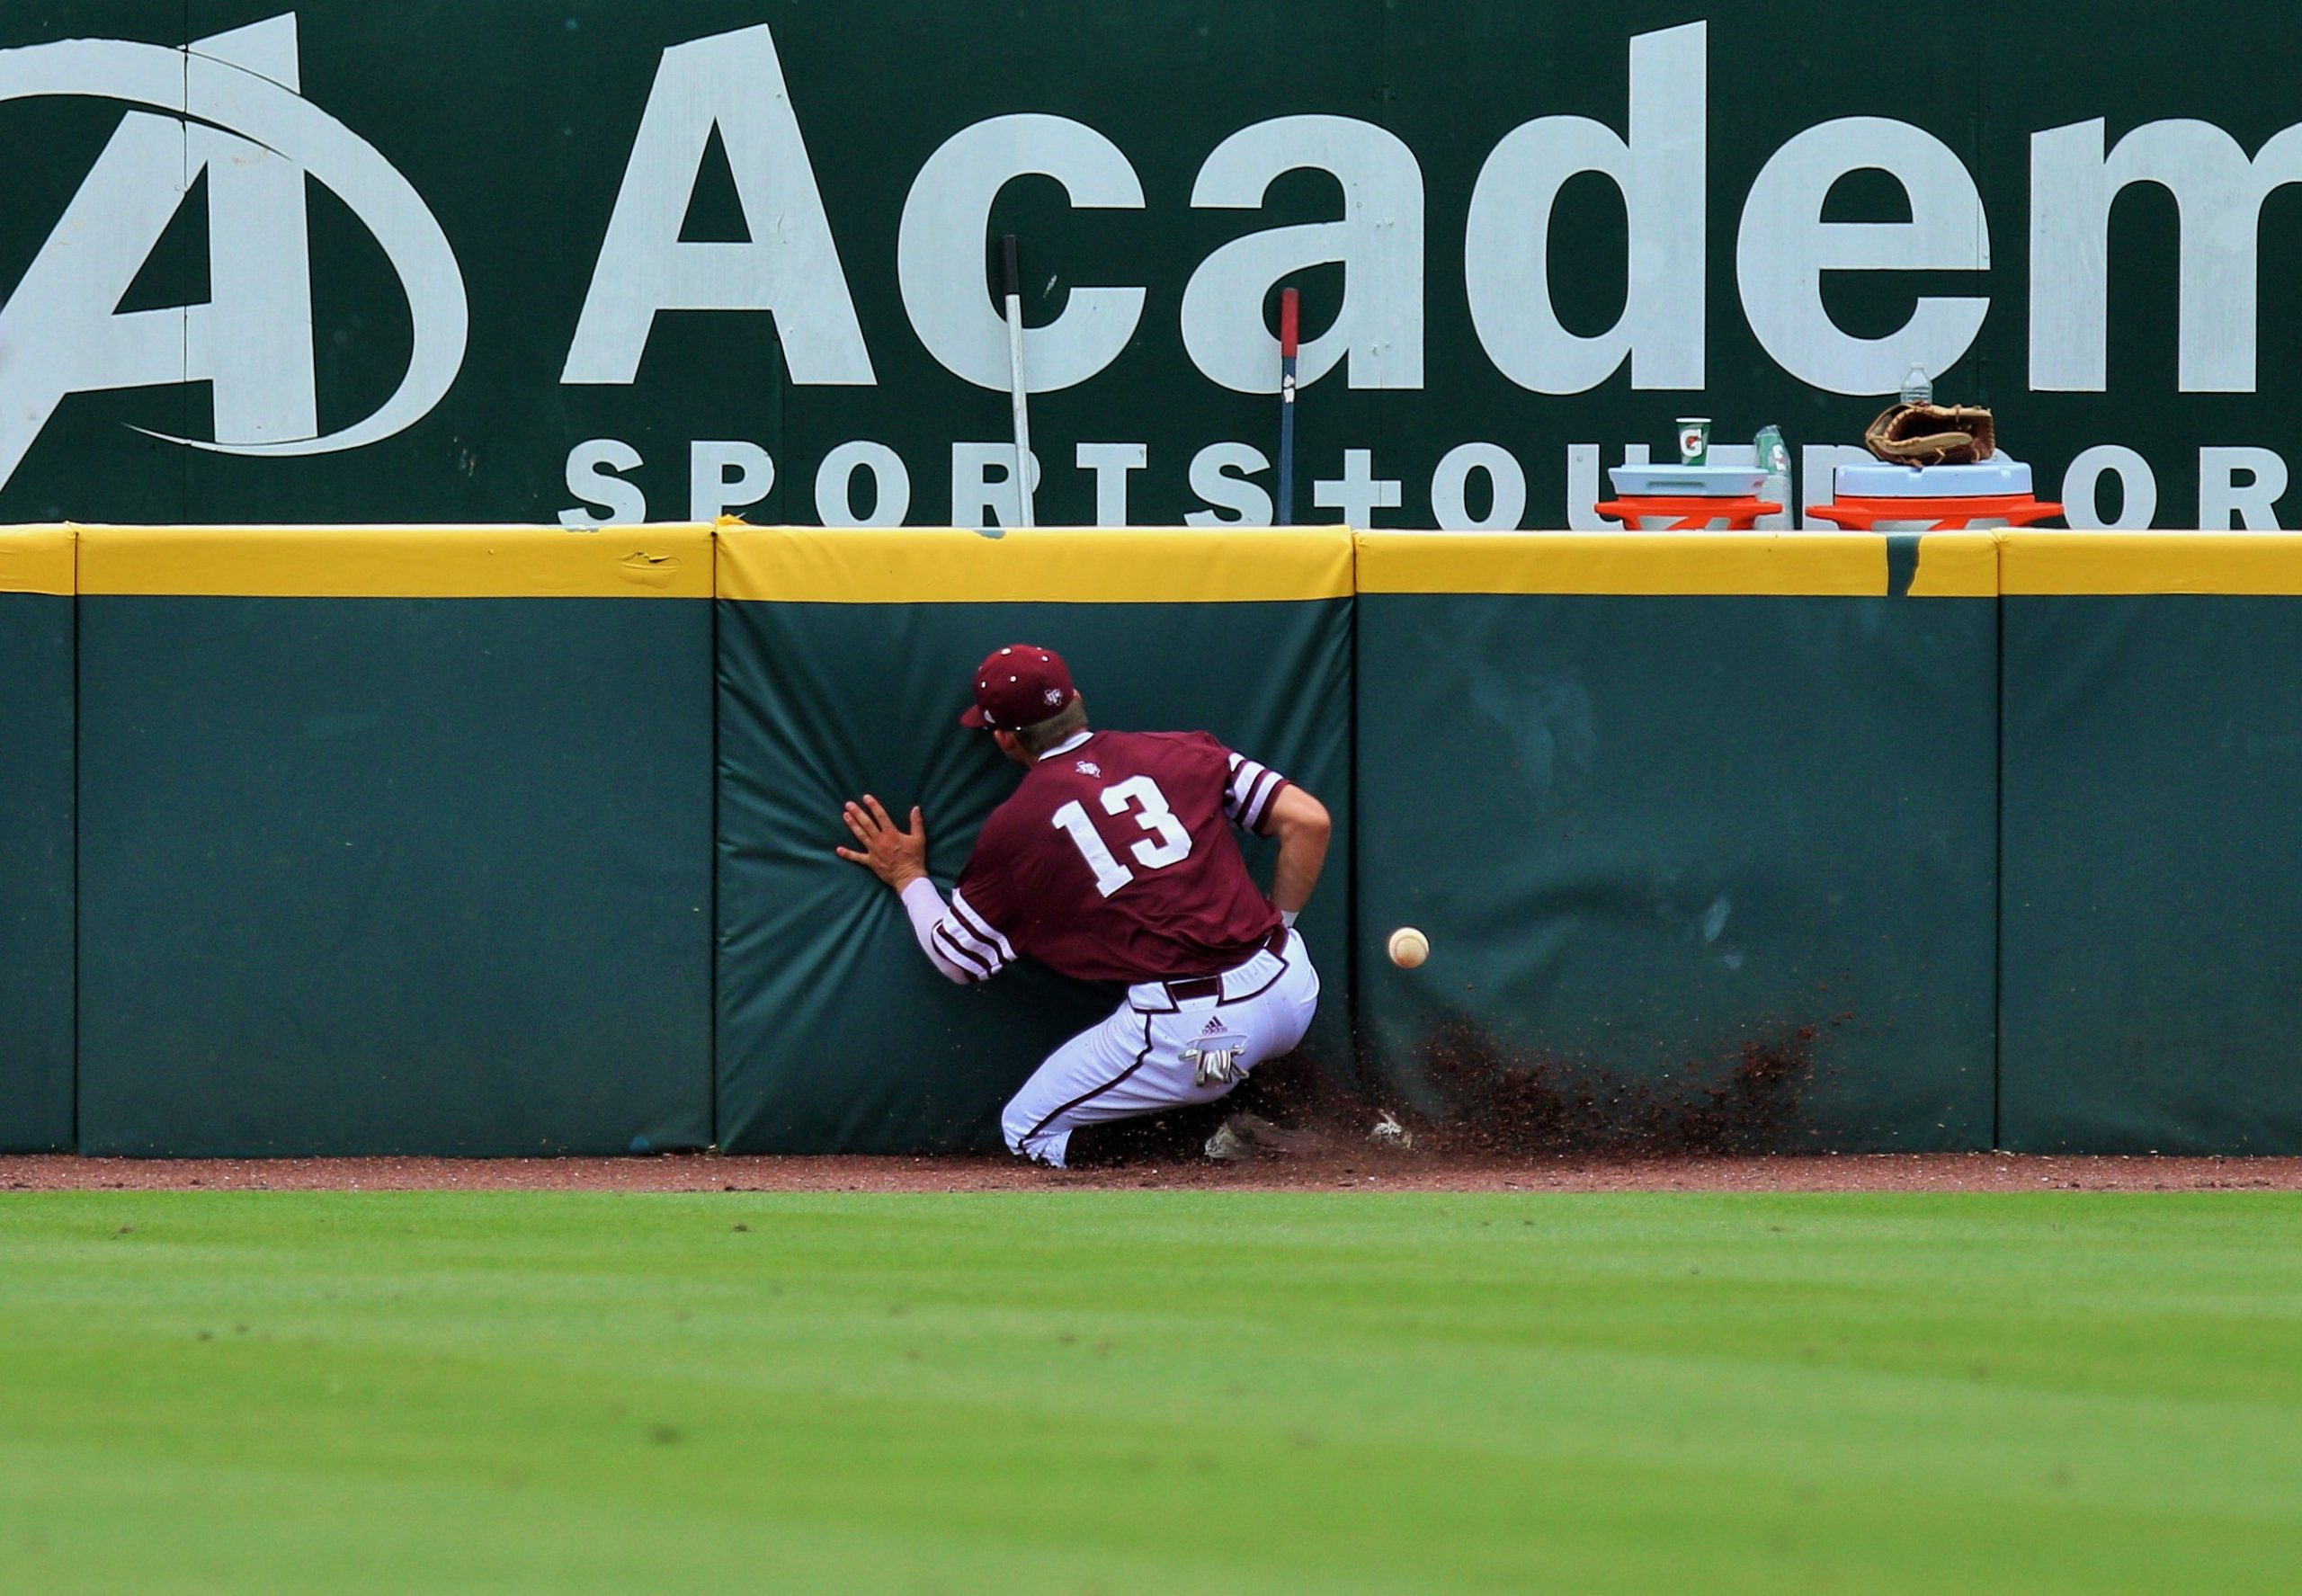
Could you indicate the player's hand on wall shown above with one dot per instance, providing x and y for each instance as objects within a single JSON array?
[{"x": 898, "y": 858}]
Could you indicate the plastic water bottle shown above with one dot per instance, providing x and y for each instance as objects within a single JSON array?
[
  {"x": 1918, "y": 388},
  {"x": 1772, "y": 455}
]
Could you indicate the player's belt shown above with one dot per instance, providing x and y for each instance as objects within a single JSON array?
[{"x": 1255, "y": 976}]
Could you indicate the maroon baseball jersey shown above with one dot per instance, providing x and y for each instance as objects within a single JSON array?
[{"x": 1114, "y": 861}]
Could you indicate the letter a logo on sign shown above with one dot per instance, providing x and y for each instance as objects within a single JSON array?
[{"x": 227, "y": 106}]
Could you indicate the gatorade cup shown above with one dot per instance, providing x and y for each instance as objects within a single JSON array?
[{"x": 1694, "y": 439}]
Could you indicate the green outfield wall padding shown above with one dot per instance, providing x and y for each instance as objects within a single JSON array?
[
  {"x": 835, "y": 1033},
  {"x": 36, "y": 830},
  {"x": 2151, "y": 904},
  {"x": 396, "y": 874},
  {"x": 1658, "y": 802}
]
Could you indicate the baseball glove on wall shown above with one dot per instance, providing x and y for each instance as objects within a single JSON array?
[{"x": 1932, "y": 435}]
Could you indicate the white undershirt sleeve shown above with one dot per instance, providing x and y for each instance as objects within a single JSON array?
[{"x": 926, "y": 908}]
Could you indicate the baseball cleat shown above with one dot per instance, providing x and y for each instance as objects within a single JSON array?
[
  {"x": 1226, "y": 1145},
  {"x": 1244, "y": 1136}
]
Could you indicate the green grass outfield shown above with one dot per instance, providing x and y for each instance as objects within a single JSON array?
[{"x": 1155, "y": 1392}]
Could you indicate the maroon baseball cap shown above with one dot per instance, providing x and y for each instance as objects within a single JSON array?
[{"x": 1020, "y": 685}]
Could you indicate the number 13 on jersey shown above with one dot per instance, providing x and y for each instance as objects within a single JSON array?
[{"x": 1167, "y": 843}]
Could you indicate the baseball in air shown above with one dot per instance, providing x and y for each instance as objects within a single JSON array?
[{"x": 1409, "y": 947}]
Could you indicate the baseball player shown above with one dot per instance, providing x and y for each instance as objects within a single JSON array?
[{"x": 1114, "y": 861}]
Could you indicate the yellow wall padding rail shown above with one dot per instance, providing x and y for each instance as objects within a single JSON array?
[
  {"x": 653, "y": 562},
  {"x": 36, "y": 559},
  {"x": 2055, "y": 562},
  {"x": 1087, "y": 565},
  {"x": 1847, "y": 565},
  {"x": 1129, "y": 564}
]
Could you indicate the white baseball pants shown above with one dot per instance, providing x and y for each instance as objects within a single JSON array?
[{"x": 1134, "y": 1063}]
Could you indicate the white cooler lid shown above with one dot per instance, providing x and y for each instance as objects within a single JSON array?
[
  {"x": 1687, "y": 482},
  {"x": 1879, "y": 479}
]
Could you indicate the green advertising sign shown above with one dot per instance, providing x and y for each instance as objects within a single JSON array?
[{"x": 403, "y": 260}]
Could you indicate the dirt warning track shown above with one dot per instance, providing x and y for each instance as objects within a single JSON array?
[{"x": 1365, "y": 1171}]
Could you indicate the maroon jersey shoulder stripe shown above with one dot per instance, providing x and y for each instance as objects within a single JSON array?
[
  {"x": 1266, "y": 788},
  {"x": 961, "y": 936},
  {"x": 973, "y": 921},
  {"x": 961, "y": 957}
]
